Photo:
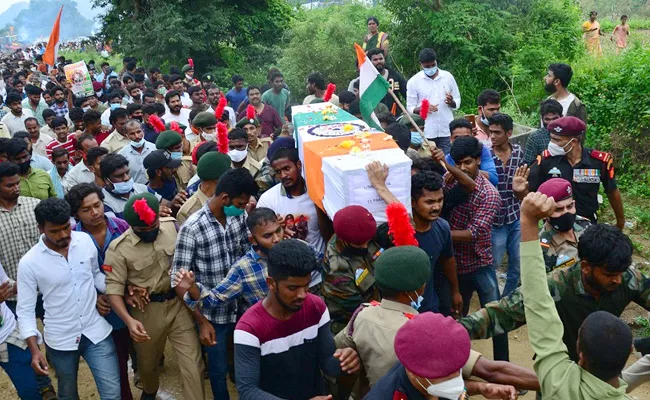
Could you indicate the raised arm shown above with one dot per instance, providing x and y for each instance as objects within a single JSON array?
[{"x": 496, "y": 317}]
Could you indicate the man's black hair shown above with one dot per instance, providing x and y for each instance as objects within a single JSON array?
[
  {"x": 459, "y": 123},
  {"x": 150, "y": 109},
  {"x": 237, "y": 133},
  {"x": 550, "y": 106},
  {"x": 290, "y": 154},
  {"x": 53, "y": 210},
  {"x": 419, "y": 164},
  {"x": 22, "y": 135},
  {"x": 252, "y": 87},
  {"x": 170, "y": 94},
  {"x": 194, "y": 89},
  {"x": 47, "y": 113},
  {"x": 133, "y": 107},
  {"x": 488, "y": 96},
  {"x": 401, "y": 134},
  {"x": 94, "y": 153},
  {"x": 346, "y": 97},
  {"x": 117, "y": 114},
  {"x": 115, "y": 94},
  {"x": 563, "y": 72},
  {"x": 427, "y": 55},
  {"x": 235, "y": 182},
  {"x": 428, "y": 180},
  {"x": 237, "y": 78},
  {"x": 8, "y": 169},
  {"x": 33, "y": 89},
  {"x": 291, "y": 258},
  {"x": 130, "y": 66},
  {"x": 260, "y": 216},
  {"x": 111, "y": 163},
  {"x": 79, "y": 101},
  {"x": 56, "y": 89},
  {"x": 58, "y": 121},
  {"x": 154, "y": 70},
  {"x": 275, "y": 75},
  {"x": 174, "y": 78},
  {"x": 503, "y": 120},
  {"x": 76, "y": 114},
  {"x": 148, "y": 93},
  {"x": 355, "y": 108},
  {"x": 81, "y": 139},
  {"x": 389, "y": 119},
  {"x": 59, "y": 152},
  {"x": 13, "y": 97},
  {"x": 605, "y": 342},
  {"x": 15, "y": 146},
  {"x": 375, "y": 51},
  {"x": 78, "y": 193},
  {"x": 317, "y": 79},
  {"x": 204, "y": 148},
  {"x": 139, "y": 77},
  {"x": 30, "y": 119},
  {"x": 604, "y": 245},
  {"x": 466, "y": 146},
  {"x": 91, "y": 116}
]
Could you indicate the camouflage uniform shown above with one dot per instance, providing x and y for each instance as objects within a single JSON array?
[
  {"x": 572, "y": 302},
  {"x": 347, "y": 281},
  {"x": 559, "y": 252},
  {"x": 266, "y": 178}
]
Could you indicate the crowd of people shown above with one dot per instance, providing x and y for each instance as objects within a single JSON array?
[{"x": 163, "y": 209}]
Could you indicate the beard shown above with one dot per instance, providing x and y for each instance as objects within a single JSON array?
[
  {"x": 286, "y": 306},
  {"x": 550, "y": 88}
]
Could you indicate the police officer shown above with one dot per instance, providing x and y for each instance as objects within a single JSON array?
[
  {"x": 585, "y": 168},
  {"x": 562, "y": 230},
  {"x": 142, "y": 257},
  {"x": 172, "y": 142},
  {"x": 348, "y": 271}
]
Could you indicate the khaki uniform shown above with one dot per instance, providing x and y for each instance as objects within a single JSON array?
[
  {"x": 129, "y": 260},
  {"x": 184, "y": 173},
  {"x": 192, "y": 205},
  {"x": 4, "y": 131},
  {"x": 560, "y": 252},
  {"x": 371, "y": 332},
  {"x": 115, "y": 142},
  {"x": 259, "y": 152},
  {"x": 252, "y": 165}
]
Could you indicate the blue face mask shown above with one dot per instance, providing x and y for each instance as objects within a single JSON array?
[
  {"x": 176, "y": 155},
  {"x": 114, "y": 106},
  {"x": 123, "y": 187},
  {"x": 232, "y": 211},
  {"x": 416, "y": 304},
  {"x": 137, "y": 145},
  {"x": 416, "y": 139},
  {"x": 430, "y": 71}
]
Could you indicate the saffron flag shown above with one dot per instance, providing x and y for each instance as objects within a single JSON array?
[
  {"x": 52, "y": 49},
  {"x": 372, "y": 88}
]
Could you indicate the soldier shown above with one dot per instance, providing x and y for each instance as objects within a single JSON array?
[
  {"x": 585, "y": 168},
  {"x": 562, "y": 230},
  {"x": 603, "y": 280},
  {"x": 348, "y": 271},
  {"x": 142, "y": 257},
  {"x": 173, "y": 143},
  {"x": 206, "y": 125},
  {"x": 257, "y": 147},
  {"x": 237, "y": 150}
]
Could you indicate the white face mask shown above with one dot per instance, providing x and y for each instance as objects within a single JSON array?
[
  {"x": 210, "y": 137},
  {"x": 557, "y": 150},
  {"x": 138, "y": 144},
  {"x": 238, "y": 155},
  {"x": 451, "y": 389}
]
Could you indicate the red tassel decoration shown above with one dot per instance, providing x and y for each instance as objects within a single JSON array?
[
  {"x": 399, "y": 225},
  {"x": 424, "y": 109},
  {"x": 194, "y": 159},
  {"x": 220, "y": 107},
  {"x": 191, "y": 62},
  {"x": 250, "y": 113},
  {"x": 331, "y": 88},
  {"x": 175, "y": 127},
  {"x": 157, "y": 123},
  {"x": 222, "y": 138},
  {"x": 146, "y": 214}
]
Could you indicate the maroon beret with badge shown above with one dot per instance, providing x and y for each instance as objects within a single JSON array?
[
  {"x": 557, "y": 188},
  {"x": 567, "y": 126},
  {"x": 354, "y": 224}
]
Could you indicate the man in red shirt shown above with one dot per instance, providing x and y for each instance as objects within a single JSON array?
[
  {"x": 266, "y": 114},
  {"x": 93, "y": 122},
  {"x": 62, "y": 139}
]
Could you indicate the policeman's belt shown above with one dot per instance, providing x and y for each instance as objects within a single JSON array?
[{"x": 162, "y": 297}]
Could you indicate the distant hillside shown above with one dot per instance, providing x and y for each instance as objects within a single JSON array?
[{"x": 12, "y": 12}]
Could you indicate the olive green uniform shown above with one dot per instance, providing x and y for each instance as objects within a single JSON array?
[{"x": 558, "y": 251}]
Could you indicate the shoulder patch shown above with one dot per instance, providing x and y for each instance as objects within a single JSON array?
[
  {"x": 600, "y": 155},
  {"x": 107, "y": 268}
]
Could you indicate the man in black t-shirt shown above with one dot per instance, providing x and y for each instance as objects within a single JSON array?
[{"x": 394, "y": 78}]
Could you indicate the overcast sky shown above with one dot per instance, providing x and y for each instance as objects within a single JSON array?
[{"x": 84, "y": 6}]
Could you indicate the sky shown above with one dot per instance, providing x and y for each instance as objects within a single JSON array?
[
  {"x": 84, "y": 6},
  {"x": 4, "y": 4}
]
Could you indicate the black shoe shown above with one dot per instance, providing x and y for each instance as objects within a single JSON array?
[
  {"x": 148, "y": 396},
  {"x": 642, "y": 345}
]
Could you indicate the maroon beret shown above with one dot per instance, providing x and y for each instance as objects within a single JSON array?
[
  {"x": 557, "y": 188},
  {"x": 432, "y": 346},
  {"x": 354, "y": 224},
  {"x": 567, "y": 126}
]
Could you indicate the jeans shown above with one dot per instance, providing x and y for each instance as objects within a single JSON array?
[
  {"x": 102, "y": 361},
  {"x": 19, "y": 369},
  {"x": 506, "y": 238},
  {"x": 218, "y": 361},
  {"x": 443, "y": 143},
  {"x": 484, "y": 282}
]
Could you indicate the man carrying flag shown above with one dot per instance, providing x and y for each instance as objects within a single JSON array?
[
  {"x": 372, "y": 88},
  {"x": 439, "y": 91},
  {"x": 52, "y": 49}
]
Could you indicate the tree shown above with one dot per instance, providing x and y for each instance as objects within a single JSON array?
[
  {"x": 165, "y": 32},
  {"x": 37, "y": 20}
]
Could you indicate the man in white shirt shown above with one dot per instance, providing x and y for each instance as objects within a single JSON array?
[
  {"x": 440, "y": 89},
  {"x": 214, "y": 95},
  {"x": 179, "y": 86},
  {"x": 176, "y": 112},
  {"x": 556, "y": 81},
  {"x": 14, "y": 121},
  {"x": 38, "y": 138},
  {"x": 63, "y": 266},
  {"x": 136, "y": 151},
  {"x": 82, "y": 172}
]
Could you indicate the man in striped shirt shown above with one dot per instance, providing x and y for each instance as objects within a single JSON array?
[{"x": 62, "y": 139}]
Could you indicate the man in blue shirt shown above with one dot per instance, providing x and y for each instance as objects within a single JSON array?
[
  {"x": 237, "y": 94},
  {"x": 462, "y": 127}
]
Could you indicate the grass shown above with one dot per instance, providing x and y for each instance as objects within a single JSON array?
[{"x": 115, "y": 60}]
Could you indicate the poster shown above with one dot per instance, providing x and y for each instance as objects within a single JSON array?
[{"x": 78, "y": 75}]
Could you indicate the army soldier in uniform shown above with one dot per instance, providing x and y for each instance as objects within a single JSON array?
[
  {"x": 257, "y": 147},
  {"x": 585, "y": 168},
  {"x": 206, "y": 125},
  {"x": 210, "y": 167},
  {"x": 172, "y": 142},
  {"x": 562, "y": 230},
  {"x": 142, "y": 256},
  {"x": 348, "y": 271}
]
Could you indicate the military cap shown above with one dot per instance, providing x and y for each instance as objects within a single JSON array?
[
  {"x": 204, "y": 119},
  {"x": 212, "y": 165},
  {"x": 403, "y": 119},
  {"x": 354, "y": 224},
  {"x": 403, "y": 268},
  {"x": 557, "y": 188},
  {"x": 207, "y": 77},
  {"x": 141, "y": 209},
  {"x": 167, "y": 139},
  {"x": 245, "y": 121},
  {"x": 567, "y": 126},
  {"x": 187, "y": 67}
]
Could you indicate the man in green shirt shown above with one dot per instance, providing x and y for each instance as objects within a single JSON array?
[
  {"x": 277, "y": 97},
  {"x": 604, "y": 341},
  {"x": 34, "y": 182}
]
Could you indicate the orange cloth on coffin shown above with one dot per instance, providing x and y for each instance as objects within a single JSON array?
[{"x": 315, "y": 150}]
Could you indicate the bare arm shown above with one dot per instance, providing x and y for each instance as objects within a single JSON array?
[
  {"x": 617, "y": 205},
  {"x": 506, "y": 373},
  {"x": 377, "y": 175}
]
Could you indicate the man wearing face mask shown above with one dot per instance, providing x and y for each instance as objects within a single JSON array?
[
  {"x": 440, "y": 89},
  {"x": 489, "y": 103},
  {"x": 257, "y": 148},
  {"x": 114, "y": 103},
  {"x": 34, "y": 182},
  {"x": 172, "y": 142},
  {"x": 238, "y": 152},
  {"x": 585, "y": 168},
  {"x": 142, "y": 257},
  {"x": 161, "y": 168},
  {"x": 348, "y": 267},
  {"x": 136, "y": 151},
  {"x": 537, "y": 142},
  {"x": 562, "y": 229},
  {"x": 439, "y": 374},
  {"x": 204, "y": 128}
]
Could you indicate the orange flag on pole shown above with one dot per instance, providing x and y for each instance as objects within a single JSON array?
[{"x": 52, "y": 49}]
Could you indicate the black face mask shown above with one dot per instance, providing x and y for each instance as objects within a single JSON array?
[
  {"x": 23, "y": 168},
  {"x": 355, "y": 251},
  {"x": 148, "y": 237},
  {"x": 564, "y": 222}
]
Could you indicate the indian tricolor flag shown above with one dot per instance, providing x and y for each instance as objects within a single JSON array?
[
  {"x": 372, "y": 88},
  {"x": 52, "y": 49}
]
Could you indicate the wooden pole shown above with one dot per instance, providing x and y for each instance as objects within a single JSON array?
[{"x": 425, "y": 142}]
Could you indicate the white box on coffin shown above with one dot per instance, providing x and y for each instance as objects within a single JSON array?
[{"x": 346, "y": 182}]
